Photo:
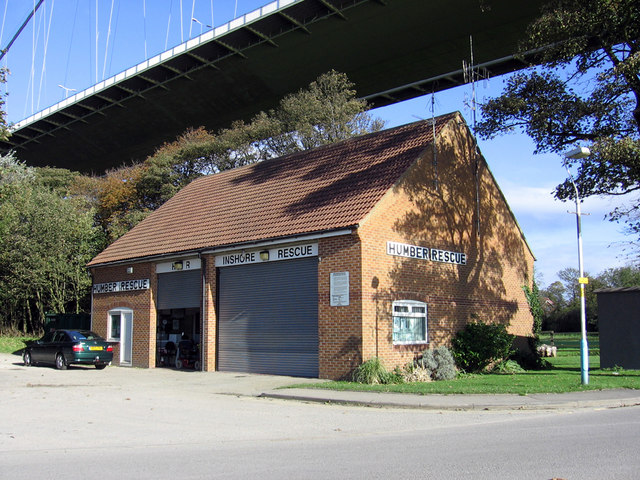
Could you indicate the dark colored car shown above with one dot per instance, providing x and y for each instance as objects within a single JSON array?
[{"x": 66, "y": 347}]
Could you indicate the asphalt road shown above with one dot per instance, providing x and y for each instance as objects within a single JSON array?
[{"x": 131, "y": 423}]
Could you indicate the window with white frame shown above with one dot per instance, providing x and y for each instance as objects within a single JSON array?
[
  {"x": 114, "y": 325},
  {"x": 115, "y": 321},
  {"x": 409, "y": 322}
]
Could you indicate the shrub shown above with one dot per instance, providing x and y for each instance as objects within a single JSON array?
[
  {"x": 428, "y": 361},
  {"x": 416, "y": 373},
  {"x": 508, "y": 367},
  {"x": 531, "y": 360},
  {"x": 438, "y": 365},
  {"x": 397, "y": 376},
  {"x": 373, "y": 372},
  {"x": 446, "y": 366},
  {"x": 480, "y": 345}
]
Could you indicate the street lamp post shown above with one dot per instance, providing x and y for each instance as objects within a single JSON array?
[
  {"x": 193, "y": 19},
  {"x": 577, "y": 153},
  {"x": 66, "y": 90}
]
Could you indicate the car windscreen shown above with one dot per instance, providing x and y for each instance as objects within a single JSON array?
[{"x": 84, "y": 335}]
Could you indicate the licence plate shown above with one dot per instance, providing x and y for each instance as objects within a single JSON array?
[{"x": 96, "y": 348}]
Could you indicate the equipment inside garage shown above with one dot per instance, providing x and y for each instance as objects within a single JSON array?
[{"x": 178, "y": 310}]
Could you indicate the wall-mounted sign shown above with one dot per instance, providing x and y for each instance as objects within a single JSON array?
[
  {"x": 339, "y": 289},
  {"x": 179, "y": 265},
  {"x": 123, "y": 286},
  {"x": 267, "y": 255},
  {"x": 433, "y": 254}
]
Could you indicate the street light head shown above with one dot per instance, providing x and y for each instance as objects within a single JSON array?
[{"x": 577, "y": 153}]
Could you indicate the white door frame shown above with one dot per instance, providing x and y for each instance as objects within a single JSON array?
[{"x": 125, "y": 335}]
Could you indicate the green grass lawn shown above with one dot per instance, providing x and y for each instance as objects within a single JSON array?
[
  {"x": 13, "y": 344},
  {"x": 563, "y": 376}
]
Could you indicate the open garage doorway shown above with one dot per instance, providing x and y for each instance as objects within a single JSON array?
[{"x": 178, "y": 338}]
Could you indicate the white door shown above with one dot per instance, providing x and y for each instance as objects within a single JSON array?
[{"x": 126, "y": 338}]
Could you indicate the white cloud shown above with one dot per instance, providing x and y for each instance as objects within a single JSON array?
[{"x": 550, "y": 228}]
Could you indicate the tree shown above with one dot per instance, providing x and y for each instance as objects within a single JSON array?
[
  {"x": 46, "y": 239},
  {"x": 554, "y": 296},
  {"x": 587, "y": 92},
  {"x": 117, "y": 204},
  {"x": 621, "y": 277},
  {"x": 327, "y": 111},
  {"x": 563, "y": 311},
  {"x": 59, "y": 180},
  {"x": 13, "y": 173},
  {"x": 569, "y": 277}
]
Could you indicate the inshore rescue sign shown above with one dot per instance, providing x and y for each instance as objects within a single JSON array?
[
  {"x": 433, "y": 254},
  {"x": 270, "y": 255}
]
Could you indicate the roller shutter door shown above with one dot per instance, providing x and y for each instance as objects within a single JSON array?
[
  {"x": 268, "y": 318},
  {"x": 179, "y": 290}
]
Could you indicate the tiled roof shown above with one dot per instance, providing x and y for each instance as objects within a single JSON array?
[{"x": 318, "y": 190}]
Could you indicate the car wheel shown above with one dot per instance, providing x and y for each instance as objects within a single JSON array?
[
  {"x": 101, "y": 366},
  {"x": 196, "y": 365},
  {"x": 26, "y": 358},
  {"x": 61, "y": 363},
  {"x": 179, "y": 364}
]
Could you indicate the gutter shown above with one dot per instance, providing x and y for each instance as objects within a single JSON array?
[{"x": 229, "y": 247}]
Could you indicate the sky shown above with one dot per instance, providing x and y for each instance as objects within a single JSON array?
[{"x": 61, "y": 52}]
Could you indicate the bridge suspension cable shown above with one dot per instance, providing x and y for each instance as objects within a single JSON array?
[
  {"x": 24, "y": 24},
  {"x": 43, "y": 70},
  {"x": 106, "y": 47}
]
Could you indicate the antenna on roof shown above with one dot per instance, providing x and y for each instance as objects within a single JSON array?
[
  {"x": 435, "y": 149},
  {"x": 471, "y": 75}
]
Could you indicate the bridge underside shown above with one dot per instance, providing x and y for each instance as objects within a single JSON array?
[{"x": 392, "y": 50}]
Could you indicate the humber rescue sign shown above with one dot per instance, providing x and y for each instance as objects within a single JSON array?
[
  {"x": 425, "y": 253},
  {"x": 123, "y": 286}
]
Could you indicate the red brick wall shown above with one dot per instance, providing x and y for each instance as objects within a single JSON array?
[
  {"x": 142, "y": 304},
  {"x": 339, "y": 327},
  {"x": 434, "y": 205},
  {"x": 208, "y": 342}
]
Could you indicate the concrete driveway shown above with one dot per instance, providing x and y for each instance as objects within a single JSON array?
[
  {"x": 14, "y": 374},
  {"x": 163, "y": 382}
]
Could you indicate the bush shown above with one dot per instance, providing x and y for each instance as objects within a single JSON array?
[
  {"x": 415, "y": 373},
  {"x": 428, "y": 361},
  {"x": 510, "y": 367},
  {"x": 438, "y": 364},
  {"x": 446, "y": 366},
  {"x": 373, "y": 372},
  {"x": 531, "y": 360},
  {"x": 481, "y": 345},
  {"x": 435, "y": 364},
  {"x": 397, "y": 376}
]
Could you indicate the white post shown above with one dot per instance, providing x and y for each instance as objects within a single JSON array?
[{"x": 581, "y": 152}]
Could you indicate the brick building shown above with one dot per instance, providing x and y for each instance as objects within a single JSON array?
[{"x": 382, "y": 245}]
